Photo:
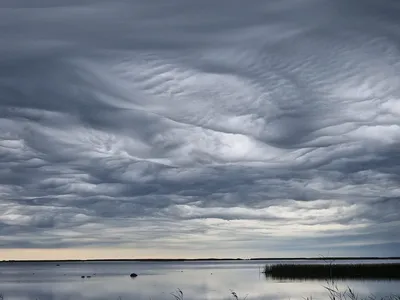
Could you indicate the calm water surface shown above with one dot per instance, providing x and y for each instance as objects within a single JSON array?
[{"x": 157, "y": 280}]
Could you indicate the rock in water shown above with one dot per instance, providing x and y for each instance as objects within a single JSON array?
[{"x": 133, "y": 275}]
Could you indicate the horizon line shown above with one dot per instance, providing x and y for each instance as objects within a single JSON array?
[{"x": 205, "y": 259}]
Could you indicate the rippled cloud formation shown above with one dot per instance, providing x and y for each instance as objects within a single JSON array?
[{"x": 201, "y": 127}]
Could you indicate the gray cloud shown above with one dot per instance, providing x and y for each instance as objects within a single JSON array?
[{"x": 200, "y": 125}]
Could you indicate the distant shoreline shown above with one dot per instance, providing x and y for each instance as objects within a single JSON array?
[{"x": 201, "y": 259}]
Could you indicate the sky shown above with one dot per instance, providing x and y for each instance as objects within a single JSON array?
[{"x": 188, "y": 128}]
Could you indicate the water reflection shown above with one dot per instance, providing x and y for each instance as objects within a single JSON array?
[{"x": 157, "y": 280}]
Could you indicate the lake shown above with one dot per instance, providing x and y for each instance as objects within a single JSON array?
[{"x": 157, "y": 280}]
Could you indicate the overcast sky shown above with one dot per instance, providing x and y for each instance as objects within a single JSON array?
[{"x": 213, "y": 128}]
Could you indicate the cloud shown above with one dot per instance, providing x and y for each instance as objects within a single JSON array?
[{"x": 193, "y": 126}]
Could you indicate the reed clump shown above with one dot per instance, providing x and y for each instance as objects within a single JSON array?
[{"x": 387, "y": 271}]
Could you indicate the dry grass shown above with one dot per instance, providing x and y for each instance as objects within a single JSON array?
[
  {"x": 333, "y": 293},
  {"x": 178, "y": 295}
]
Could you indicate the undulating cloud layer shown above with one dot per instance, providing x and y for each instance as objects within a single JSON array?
[{"x": 201, "y": 127}]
